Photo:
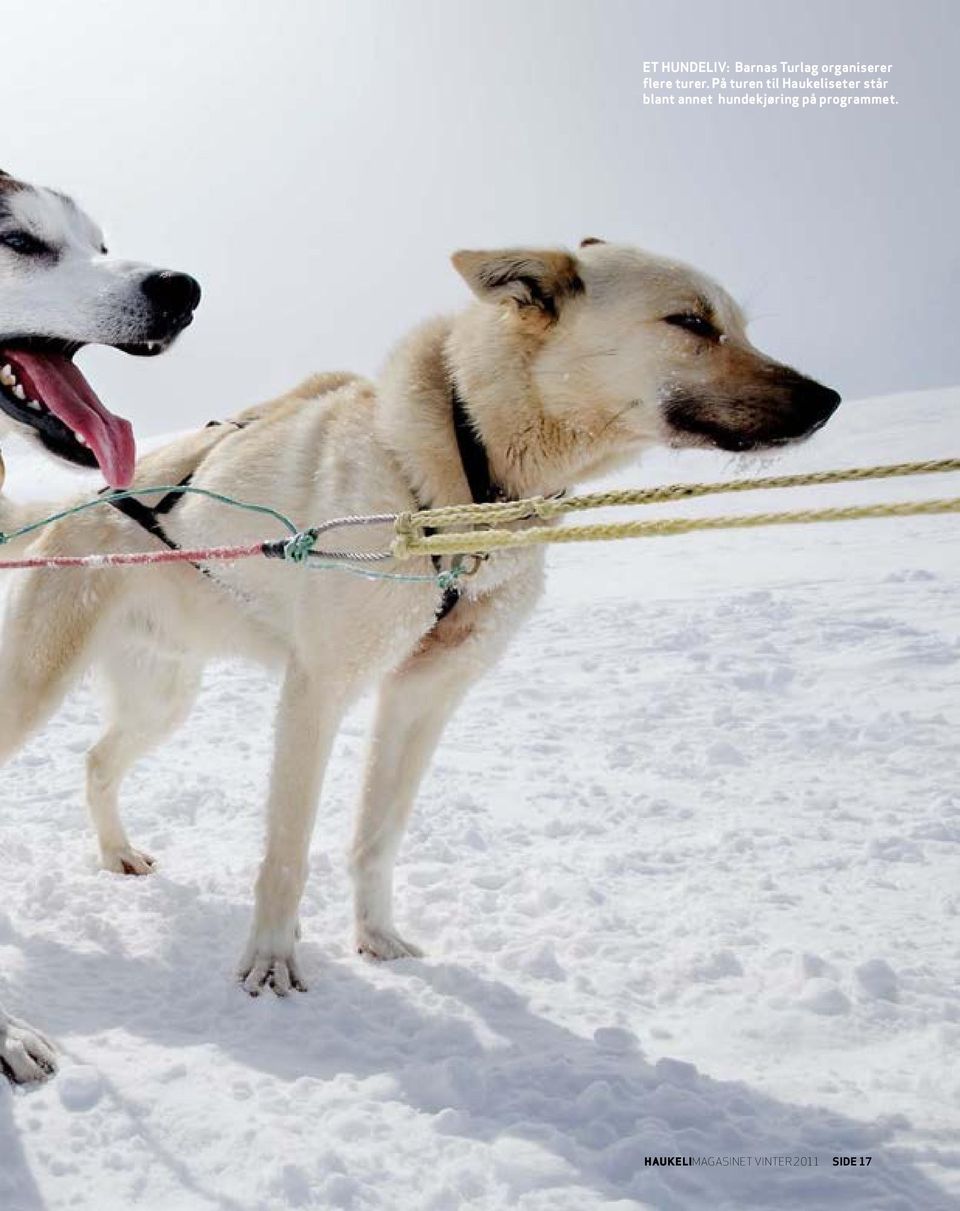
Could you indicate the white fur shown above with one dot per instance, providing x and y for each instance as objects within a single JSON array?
[
  {"x": 85, "y": 295},
  {"x": 565, "y": 364}
]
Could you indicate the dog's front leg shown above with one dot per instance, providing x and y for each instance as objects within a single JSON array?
[
  {"x": 414, "y": 706},
  {"x": 415, "y": 703},
  {"x": 25, "y": 1054},
  {"x": 307, "y": 719}
]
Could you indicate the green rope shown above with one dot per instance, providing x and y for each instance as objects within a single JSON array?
[
  {"x": 444, "y": 580},
  {"x": 155, "y": 490}
]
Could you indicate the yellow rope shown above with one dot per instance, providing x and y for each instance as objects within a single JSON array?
[{"x": 411, "y": 541}]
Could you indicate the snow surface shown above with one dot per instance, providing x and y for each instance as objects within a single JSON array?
[{"x": 686, "y": 868}]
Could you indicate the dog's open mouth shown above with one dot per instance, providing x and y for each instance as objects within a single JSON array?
[{"x": 41, "y": 387}]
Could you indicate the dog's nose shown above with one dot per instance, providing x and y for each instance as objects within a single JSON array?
[
  {"x": 829, "y": 399},
  {"x": 823, "y": 400},
  {"x": 813, "y": 403},
  {"x": 171, "y": 292}
]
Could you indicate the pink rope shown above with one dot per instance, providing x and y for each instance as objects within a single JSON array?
[{"x": 135, "y": 558}]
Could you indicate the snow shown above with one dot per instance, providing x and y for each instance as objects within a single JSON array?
[{"x": 686, "y": 869}]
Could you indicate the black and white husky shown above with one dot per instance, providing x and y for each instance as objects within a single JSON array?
[{"x": 60, "y": 289}]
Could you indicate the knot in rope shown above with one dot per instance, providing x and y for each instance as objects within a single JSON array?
[
  {"x": 298, "y": 548},
  {"x": 448, "y": 578},
  {"x": 406, "y": 532}
]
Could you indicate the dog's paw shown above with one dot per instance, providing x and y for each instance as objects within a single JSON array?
[
  {"x": 25, "y": 1054},
  {"x": 384, "y": 944},
  {"x": 270, "y": 956},
  {"x": 127, "y": 861},
  {"x": 281, "y": 973}
]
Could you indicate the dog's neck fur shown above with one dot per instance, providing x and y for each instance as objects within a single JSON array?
[{"x": 489, "y": 355}]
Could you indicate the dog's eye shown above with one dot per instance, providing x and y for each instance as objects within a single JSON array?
[
  {"x": 693, "y": 323},
  {"x": 24, "y": 243}
]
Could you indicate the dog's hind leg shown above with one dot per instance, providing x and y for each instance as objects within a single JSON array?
[
  {"x": 47, "y": 632},
  {"x": 308, "y": 716},
  {"x": 150, "y": 696},
  {"x": 412, "y": 711}
]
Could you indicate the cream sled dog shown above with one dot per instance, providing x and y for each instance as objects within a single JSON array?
[
  {"x": 566, "y": 366},
  {"x": 60, "y": 290}
]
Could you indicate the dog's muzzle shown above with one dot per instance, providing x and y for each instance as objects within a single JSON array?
[
  {"x": 777, "y": 409},
  {"x": 173, "y": 298}
]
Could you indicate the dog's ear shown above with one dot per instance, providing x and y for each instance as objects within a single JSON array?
[
  {"x": 530, "y": 278},
  {"x": 591, "y": 239}
]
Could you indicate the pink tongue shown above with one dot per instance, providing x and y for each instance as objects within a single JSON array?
[{"x": 55, "y": 381}]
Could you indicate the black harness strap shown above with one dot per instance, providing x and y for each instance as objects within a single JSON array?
[
  {"x": 473, "y": 454},
  {"x": 148, "y": 519},
  {"x": 215, "y": 424},
  {"x": 451, "y": 594},
  {"x": 147, "y": 516},
  {"x": 476, "y": 468}
]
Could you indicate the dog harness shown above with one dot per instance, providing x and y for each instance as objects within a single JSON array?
[
  {"x": 473, "y": 458},
  {"x": 148, "y": 517},
  {"x": 476, "y": 468}
]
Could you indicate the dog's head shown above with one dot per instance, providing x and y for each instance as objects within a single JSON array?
[
  {"x": 644, "y": 348},
  {"x": 60, "y": 290}
]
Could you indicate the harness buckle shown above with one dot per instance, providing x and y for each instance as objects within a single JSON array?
[{"x": 476, "y": 562}]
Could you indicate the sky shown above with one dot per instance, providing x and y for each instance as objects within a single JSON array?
[{"x": 314, "y": 163}]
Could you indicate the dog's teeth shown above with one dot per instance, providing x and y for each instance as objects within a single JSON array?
[
  {"x": 19, "y": 392},
  {"x": 33, "y": 405},
  {"x": 80, "y": 438},
  {"x": 7, "y": 376}
]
